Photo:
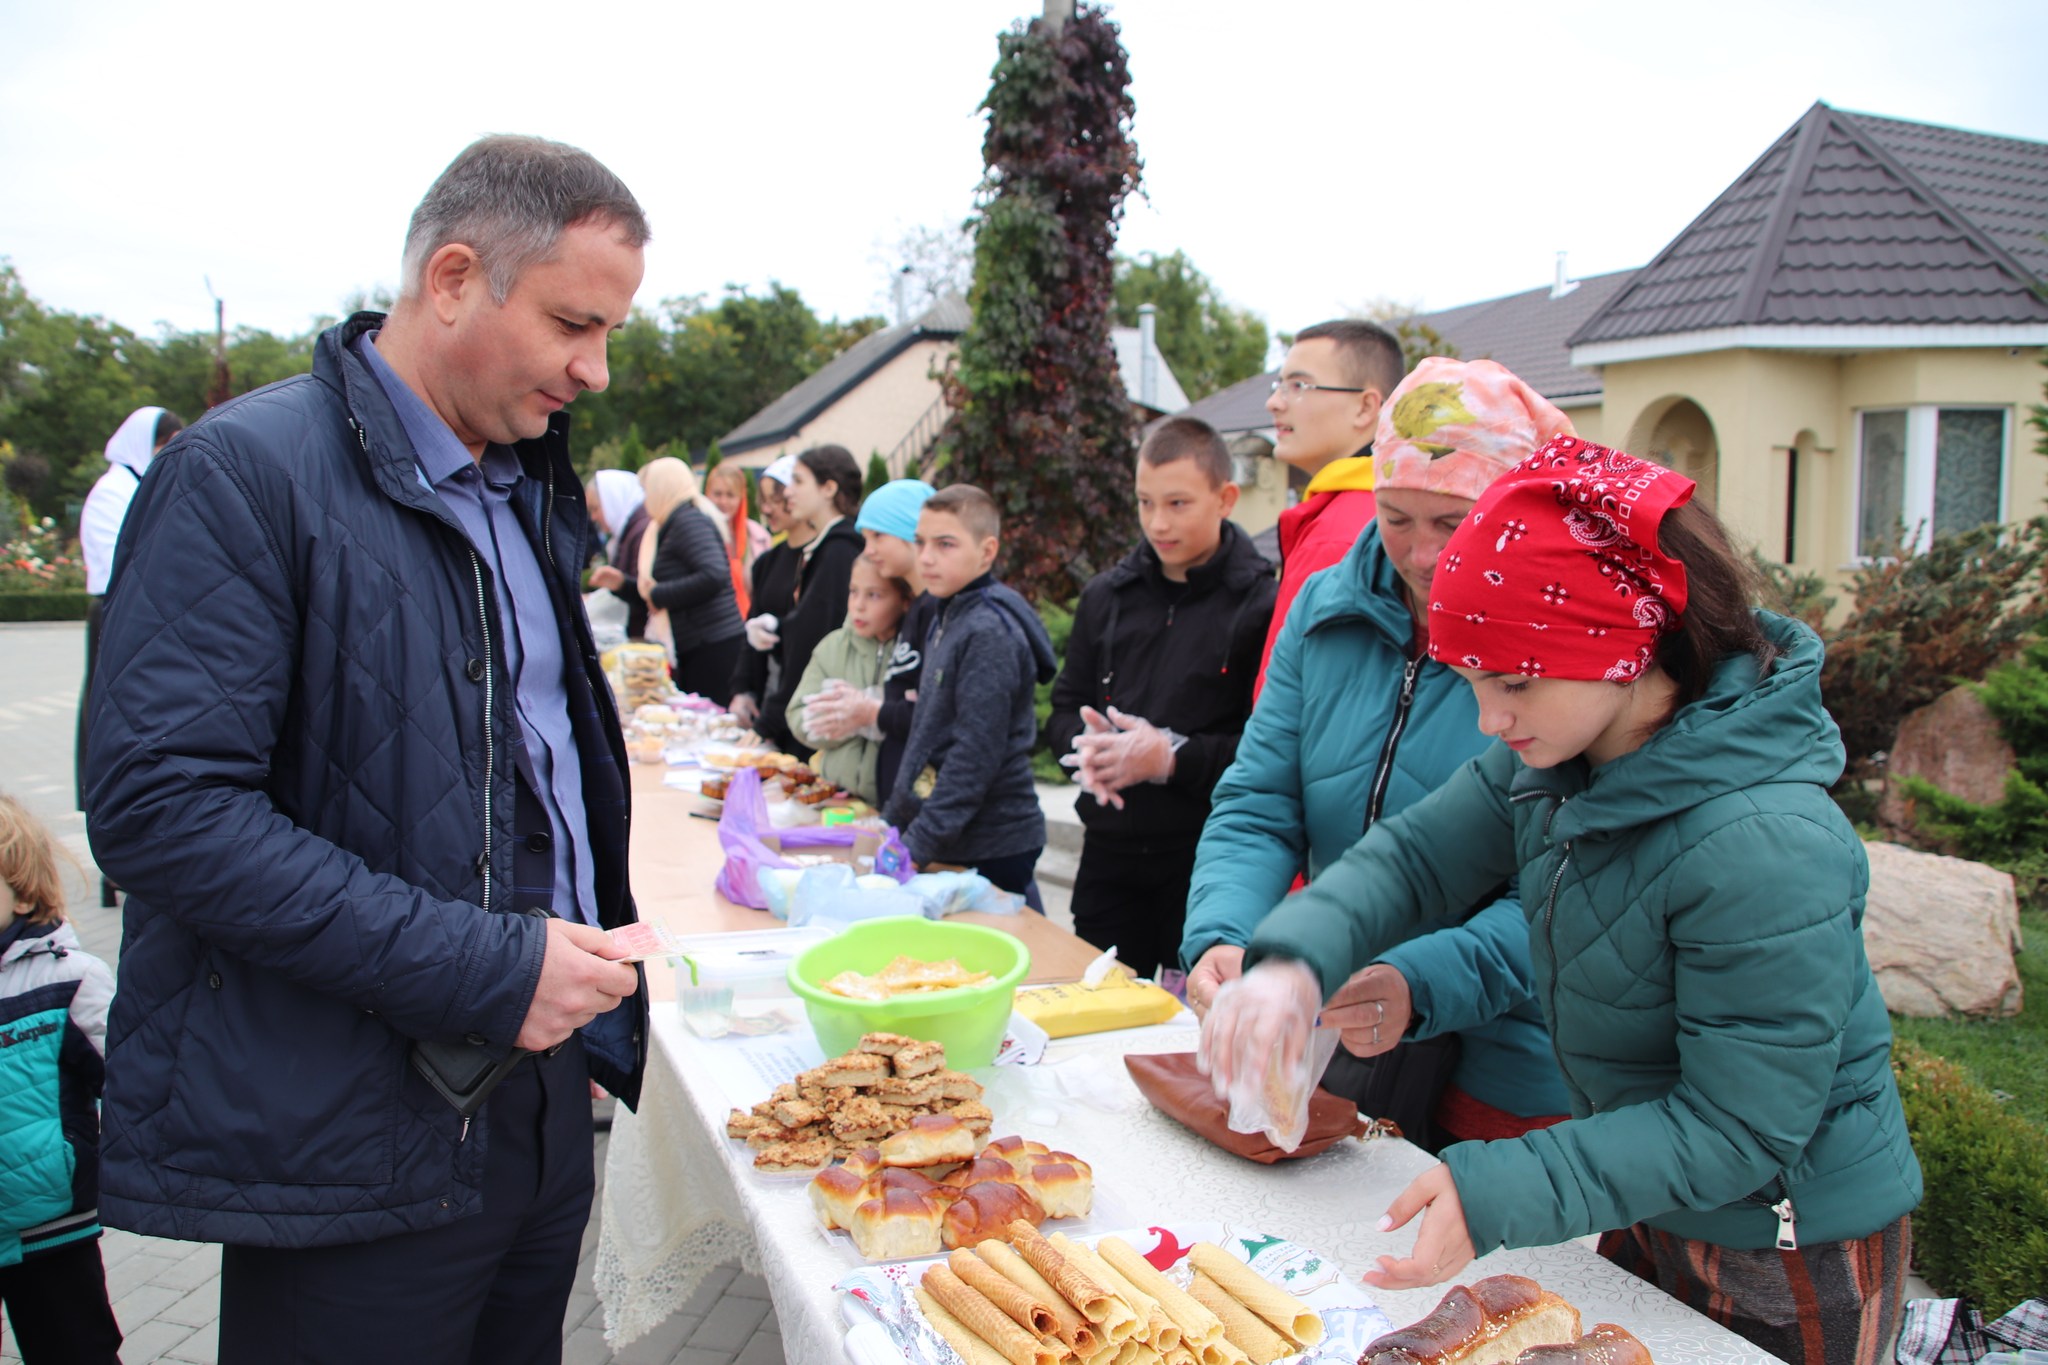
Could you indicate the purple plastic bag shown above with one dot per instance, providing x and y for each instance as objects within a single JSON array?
[{"x": 740, "y": 827}]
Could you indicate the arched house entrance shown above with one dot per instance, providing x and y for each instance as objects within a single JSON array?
[{"x": 1677, "y": 432}]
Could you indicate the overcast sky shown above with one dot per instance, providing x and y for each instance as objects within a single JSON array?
[{"x": 1308, "y": 157}]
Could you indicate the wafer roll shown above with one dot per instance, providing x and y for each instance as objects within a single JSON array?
[
  {"x": 1283, "y": 1312},
  {"x": 1073, "y": 1329},
  {"x": 1113, "y": 1319},
  {"x": 970, "y": 1348},
  {"x": 987, "y": 1321},
  {"x": 1156, "y": 1329},
  {"x": 1198, "y": 1326},
  {"x": 1242, "y": 1328},
  {"x": 983, "y": 1278}
]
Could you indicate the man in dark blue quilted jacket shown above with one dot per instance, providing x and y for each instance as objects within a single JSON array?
[{"x": 355, "y": 764}]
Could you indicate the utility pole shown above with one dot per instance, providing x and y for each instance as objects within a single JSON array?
[{"x": 219, "y": 388}]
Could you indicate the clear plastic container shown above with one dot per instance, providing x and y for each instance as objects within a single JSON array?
[{"x": 722, "y": 980}]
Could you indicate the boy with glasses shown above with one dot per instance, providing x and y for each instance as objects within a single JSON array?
[{"x": 1325, "y": 405}]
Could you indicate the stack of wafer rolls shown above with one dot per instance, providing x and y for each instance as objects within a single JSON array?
[
  {"x": 1053, "y": 1301},
  {"x": 1261, "y": 1321}
]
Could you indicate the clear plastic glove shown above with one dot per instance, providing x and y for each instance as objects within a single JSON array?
[
  {"x": 606, "y": 577},
  {"x": 761, "y": 631},
  {"x": 1275, "y": 1054},
  {"x": 1126, "y": 751},
  {"x": 745, "y": 708},
  {"x": 1260, "y": 1020},
  {"x": 839, "y": 710}
]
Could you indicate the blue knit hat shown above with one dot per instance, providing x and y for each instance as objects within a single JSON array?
[{"x": 892, "y": 509}]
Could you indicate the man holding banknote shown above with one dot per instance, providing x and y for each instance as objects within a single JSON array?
[{"x": 355, "y": 764}]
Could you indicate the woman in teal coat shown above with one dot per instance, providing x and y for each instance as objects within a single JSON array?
[
  {"x": 1694, "y": 901},
  {"x": 1355, "y": 723}
]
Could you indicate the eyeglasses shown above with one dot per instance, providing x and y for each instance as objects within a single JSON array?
[{"x": 1295, "y": 388}]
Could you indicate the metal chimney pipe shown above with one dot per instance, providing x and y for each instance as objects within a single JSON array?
[
  {"x": 1562, "y": 285},
  {"x": 1148, "y": 355}
]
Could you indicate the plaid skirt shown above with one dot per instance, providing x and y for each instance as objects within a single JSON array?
[{"x": 1835, "y": 1303}]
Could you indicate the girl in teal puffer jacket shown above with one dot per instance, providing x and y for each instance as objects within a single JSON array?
[{"x": 1694, "y": 900}]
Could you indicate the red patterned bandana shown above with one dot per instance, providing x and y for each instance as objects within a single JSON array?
[{"x": 1556, "y": 573}]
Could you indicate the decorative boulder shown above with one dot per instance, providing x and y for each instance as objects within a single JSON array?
[
  {"x": 1940, "y": 934},
  {"x": 1953, "y": 742}
]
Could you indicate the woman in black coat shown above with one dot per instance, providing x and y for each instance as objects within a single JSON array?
[
  {"x": 688, "y": 576},
  {"x": 824, "y": 492}
]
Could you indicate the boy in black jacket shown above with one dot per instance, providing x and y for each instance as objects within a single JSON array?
[
  {"x": 964, "y": 793},
  {"x": 1155, "y": 691}
]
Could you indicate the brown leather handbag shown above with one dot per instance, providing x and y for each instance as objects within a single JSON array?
[{"x": 1175, "y": 1088}]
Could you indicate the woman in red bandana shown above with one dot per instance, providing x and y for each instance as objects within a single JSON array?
[{"x": 1695, "y": 902}]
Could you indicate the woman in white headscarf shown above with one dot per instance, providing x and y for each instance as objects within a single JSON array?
[
  {"x": 130, "y": 450},
  {"x": 619, "y": 505}
]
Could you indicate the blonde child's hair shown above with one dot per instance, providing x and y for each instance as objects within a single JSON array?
[{"x": 29, "y": 864}]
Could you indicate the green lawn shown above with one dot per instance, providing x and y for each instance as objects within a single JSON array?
[{"x": 2009, "y": 1057}]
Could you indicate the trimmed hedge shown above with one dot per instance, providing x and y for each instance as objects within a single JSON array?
[
  {"x": 44, "y": 606},
  {"x": 1981, "y": 1230}
]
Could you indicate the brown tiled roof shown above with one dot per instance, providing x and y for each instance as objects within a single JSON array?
[
  {"x": 1238, "y": 408},
  {"x": 1849, "y": 220},
  {"x": 1527, "y": 332}
]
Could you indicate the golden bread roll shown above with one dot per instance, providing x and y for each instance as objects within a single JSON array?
[
  {"x": 1491, "y": 1322},
  {"x": 897, "y": 1226},
  {"x": 930, "y": 1139},
  {"x": 835, "y": 1193},
  {"x": 988, "y": 1209},
  {"x": 1065, "y": 1189},
  {"x": 980, "y": 1169}
]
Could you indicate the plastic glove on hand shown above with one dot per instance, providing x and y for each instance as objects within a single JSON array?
[
  {"x": 745, "y": 709},
  {"x": 1269, "y": 1010},
  {"x": 761, "y": 631}
]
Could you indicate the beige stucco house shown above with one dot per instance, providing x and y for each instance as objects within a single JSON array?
[
  {"x": 1844, "y": 342},
  {"x": 882, "y": 393}
]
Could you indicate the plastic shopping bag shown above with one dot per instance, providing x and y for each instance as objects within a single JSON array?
[{"x": 740, "y": 829}]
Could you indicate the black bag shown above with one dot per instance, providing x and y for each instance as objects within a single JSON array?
[{"x": 1401, "y": 1085}]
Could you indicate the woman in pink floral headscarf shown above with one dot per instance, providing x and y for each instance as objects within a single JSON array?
[{"x": 1357, "y": 723}]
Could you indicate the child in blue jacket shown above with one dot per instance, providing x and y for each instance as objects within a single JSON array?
[{"x": 53, "y": 1036}]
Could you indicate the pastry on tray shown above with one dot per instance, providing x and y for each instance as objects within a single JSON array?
[
  {"x": 863, "y": 1099},
  {"x": 1489, "y": 1322}
]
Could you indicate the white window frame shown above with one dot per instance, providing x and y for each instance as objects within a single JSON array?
[{"x": 1922, "y": 423}]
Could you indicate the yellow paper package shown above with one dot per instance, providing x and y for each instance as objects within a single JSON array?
[{"x": 1121, "y": 1001}]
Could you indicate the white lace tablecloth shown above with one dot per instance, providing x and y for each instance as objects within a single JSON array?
[{"x": 680, "y": 1199}]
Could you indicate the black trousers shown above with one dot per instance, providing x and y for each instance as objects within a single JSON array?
[
  {"x": 707, "y": 669},
  {"x": 490, "y": 1289},
  {"x": 57, "y": 1301},
  {"x": 1134, "y": 895}
]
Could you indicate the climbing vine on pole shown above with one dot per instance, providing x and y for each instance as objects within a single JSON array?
[{"x": 1041, "y": 418}]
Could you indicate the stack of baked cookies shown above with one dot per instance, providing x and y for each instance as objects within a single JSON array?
[{"x": 874, "y": 1092}]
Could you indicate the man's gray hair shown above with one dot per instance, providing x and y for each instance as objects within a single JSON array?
[{"x": 508, "y": 199}]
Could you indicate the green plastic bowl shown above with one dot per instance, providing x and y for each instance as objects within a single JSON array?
[{"x": 968, "y": 1021}]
